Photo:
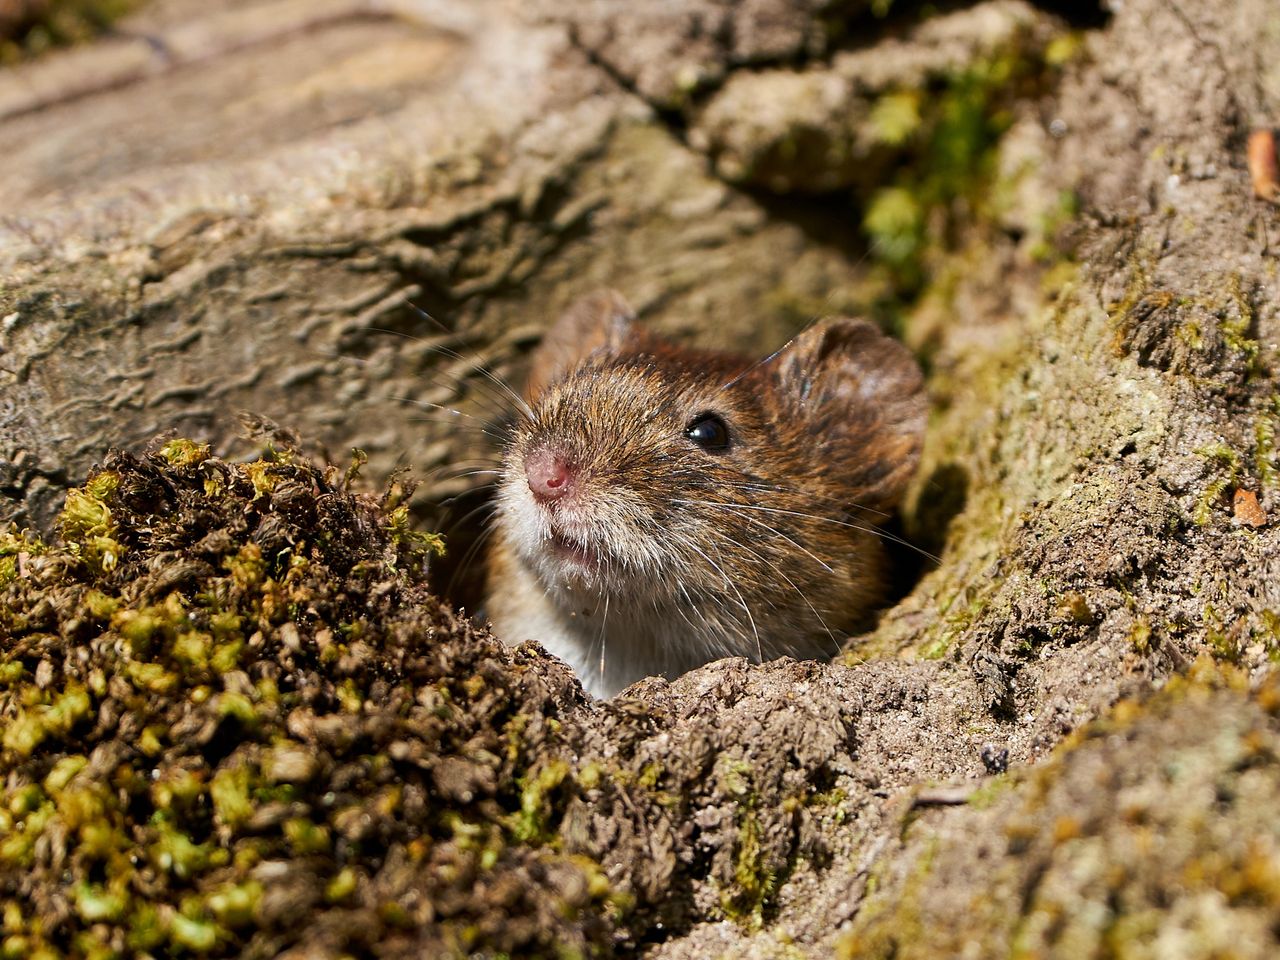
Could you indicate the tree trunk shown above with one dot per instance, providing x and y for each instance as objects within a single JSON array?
[{"x": 240, "y": 208}]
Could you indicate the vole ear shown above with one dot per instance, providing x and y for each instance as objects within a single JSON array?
[
  {"x": 600, "y": 320},
  {"x": 863, "y": 396}
]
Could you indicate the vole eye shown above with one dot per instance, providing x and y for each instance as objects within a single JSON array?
[{"x": 709, "y": 432}]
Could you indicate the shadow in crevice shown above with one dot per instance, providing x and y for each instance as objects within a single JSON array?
[
  {"x": 466, "y": 522},
  {"x": 867, "y": 27},
  {"x": 1081, "y": 16},
  {"x": 914, "y": 545},
  {"x": 909, "y": 560},
  {"x": 941, "y": 499}
]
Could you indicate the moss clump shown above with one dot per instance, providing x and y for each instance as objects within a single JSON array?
[
  {"x": 87, "y": 525},
  {"x": 949, "y": 139},
  {"x": 235, "y": 723},
  {"x": 1225, "y": 466},
  {"x": 754, "y": 884},
  {"x": 15, "y": 550},
  {"x": 1264, "y": 448},
  {"x": 30, "y": 27},
  {"x": 754, "y": 878}
]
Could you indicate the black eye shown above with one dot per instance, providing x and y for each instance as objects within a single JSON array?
[{"x": 709, "y": 432}]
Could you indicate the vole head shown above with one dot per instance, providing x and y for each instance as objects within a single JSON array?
[{"x": 740, "y": 494}]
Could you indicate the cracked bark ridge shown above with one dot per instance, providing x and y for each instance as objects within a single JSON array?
[
  {"x": 670, "y": 51},
  {"x": 848, "y": 122}
]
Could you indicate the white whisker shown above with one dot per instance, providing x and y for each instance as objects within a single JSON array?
[{"x": 519, "y": 401}]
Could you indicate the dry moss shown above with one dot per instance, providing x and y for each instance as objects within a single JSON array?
[{"x": 235, "y": 722}]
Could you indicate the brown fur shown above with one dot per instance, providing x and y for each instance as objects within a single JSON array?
[{"x": 765, "y": 549}]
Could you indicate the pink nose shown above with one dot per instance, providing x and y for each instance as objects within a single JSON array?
[{"x": 549, "y": 476}]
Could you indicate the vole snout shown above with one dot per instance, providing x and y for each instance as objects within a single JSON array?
[{"x": 550, "y": 475}]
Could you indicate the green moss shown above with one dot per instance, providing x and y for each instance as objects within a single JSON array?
[
  {"x": 33, "y": 725},
  {"x": 305, "y": 837},
  {"x": 993, "y": 789},
  {"x": 1050, "y": 223},
  {"x": 234, "y": 904},
  {"x": 1225, "y": 643},
  {"x": 248, "y": 569},
  {"x": 894, "y": 220},
  {"x": 1226, "y": 463},
  {"x": 261, "y": 474},
  {"x": 61, "y": 23},
  {"x": 63, "y": 771},
  {"x": 196, "y": 935},
  {"x": 174, "y": 852},
  {"x": 101, "y": 606},
  {"x": 230, "y": 794},
  {"x": 950, "y": 138},
  {"x": 1140, "y": 636},
  {"x": 350, "y": 696},
  {"x": 17, "y": 849},
  {"x": 1238, "y": 323},
  {"x": 13, "y": 547},
  {"x": 589, "y": 776},
  {"x": 834, "y": 798},
  {"x": 1086, "y": 870},
  {"x": 239, "y": 706},
  {"x": 138, "y": 627},
  {"x": 754, "y": 879},
  {"x": 957, "y": 613},
  {"x": 754, "y": 884},
  {"x": 1075, "y": 607},
  {"x": 1064, "y": 48},
  {"x": 399, "y": 525},
  {"x": 95, "y": 904},
  {"x": 342, "y": 886},
  {"x": 86, "y": 523},
  {"x": 1264, "y": 449},
  {"x": 237, "y": 701},
  {"x": 1270, "y": 632},
  {"x": 179, "y": 789},
  {"x": 25, "y": 799},
  {"x": 152, "y": 677},
  {"x": 895, "y": 117},
  {"x": 533, "y": 822},
  {"x": 185, "y": 453},
  {"x": 1137, "y": 290},
  {"x": 650, "y": 775}
]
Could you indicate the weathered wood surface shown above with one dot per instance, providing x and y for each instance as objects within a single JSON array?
[{"x": 222, "y": 209}]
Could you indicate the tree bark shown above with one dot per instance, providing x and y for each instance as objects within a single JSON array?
[{"x": 228, "y": 209}]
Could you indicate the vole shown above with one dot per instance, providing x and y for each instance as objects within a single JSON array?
[{"x": 660, "y": 506}]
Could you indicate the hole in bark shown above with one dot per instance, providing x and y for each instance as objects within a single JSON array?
[
  {"x": 1083, "y": 16},
  {"x": 906, "y": 563},
  {"x": 458, "y": 576},
  {"x": 867, "y": 28},
  {"x": 941, "y": 499}
]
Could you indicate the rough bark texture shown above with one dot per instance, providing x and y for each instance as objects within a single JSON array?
[{"x": 1093, "y": 292}]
